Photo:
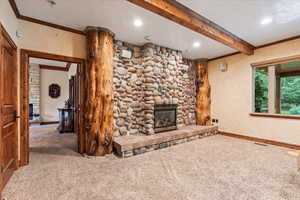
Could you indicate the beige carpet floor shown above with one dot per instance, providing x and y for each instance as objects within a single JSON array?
[{"x": 214, "y": 168}]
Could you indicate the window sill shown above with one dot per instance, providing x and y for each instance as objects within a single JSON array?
[{"x": 275, "y": 115}]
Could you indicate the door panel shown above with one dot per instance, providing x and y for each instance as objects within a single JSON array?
[
  {"x": 8, "y": 110},
  {"x": 76, "y": 102},
  {"x": 79, "y": 99}
]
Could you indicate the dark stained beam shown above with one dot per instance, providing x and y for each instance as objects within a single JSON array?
[
  {"x": 57, "y": 68},
  {"x": 184, "y": 16}
]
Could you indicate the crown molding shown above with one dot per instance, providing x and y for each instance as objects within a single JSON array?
[
  {"x": 259, "y": 47},
  {"x": 41, "y": 22}
]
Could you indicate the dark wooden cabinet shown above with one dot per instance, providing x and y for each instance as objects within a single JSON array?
[{"x": 66, "y": 120}]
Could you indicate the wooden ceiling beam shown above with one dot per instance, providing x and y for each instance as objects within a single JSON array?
[
  {"x": 176, "y": 12},
  {"x": 50, "y": 67}
]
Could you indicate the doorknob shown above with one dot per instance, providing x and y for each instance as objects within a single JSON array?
[{"x": 16, "y": 116}]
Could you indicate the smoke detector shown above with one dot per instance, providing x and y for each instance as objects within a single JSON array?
[
  {"x": 147, "y": 38},
  {"x": 51, "y": 2}
]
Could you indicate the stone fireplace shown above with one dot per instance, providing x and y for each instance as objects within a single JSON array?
[
  {"x": 165, "y": 116},
  {"x": 154, "y": 93},
  {"x": 154, "y": 76}
]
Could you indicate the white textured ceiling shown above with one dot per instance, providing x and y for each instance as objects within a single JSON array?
[{"x": 241, "y": 17}]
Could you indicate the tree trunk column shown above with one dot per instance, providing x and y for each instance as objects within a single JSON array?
[
  {"x": 203, "y": 100},
  {"x": 99, "y": 84}
]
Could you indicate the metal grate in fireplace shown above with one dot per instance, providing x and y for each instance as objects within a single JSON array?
[{"x": 165, "y": 116}]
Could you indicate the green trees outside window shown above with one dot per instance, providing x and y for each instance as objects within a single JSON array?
[
  {"x": 286, "y": 80},
  {"x": 261, "y": 90},
  {"x": 290, "y": 95}
]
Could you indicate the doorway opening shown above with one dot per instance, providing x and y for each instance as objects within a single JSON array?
[
  {"x": 52, "y": 96},
  {"x": 53, "y": 88}
]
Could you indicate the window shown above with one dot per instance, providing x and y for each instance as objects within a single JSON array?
[{"x": 277, "y": 88}]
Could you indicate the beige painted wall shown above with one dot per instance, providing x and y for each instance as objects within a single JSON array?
[
  {"x": 50, "y": 40},
  {"x": 8, "y": 19},
  {"x": 48, "y": 105},
  {"x": 232, "y": 96}
]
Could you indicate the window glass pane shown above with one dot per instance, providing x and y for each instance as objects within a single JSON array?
[
  {"x": 277, "y": 88},
  {"x": 290, "y": 95},
  {"x": 261, "y": 89}
]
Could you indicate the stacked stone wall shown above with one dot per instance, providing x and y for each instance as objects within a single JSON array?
[{"x": 154, "y": 75}]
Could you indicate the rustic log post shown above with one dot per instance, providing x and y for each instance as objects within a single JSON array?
[
  {"x": 203, "y": 100},
  {"x": 99, "y": 84}
]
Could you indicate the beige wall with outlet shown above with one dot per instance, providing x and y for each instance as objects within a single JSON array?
[{"x": 231, "y": 94}]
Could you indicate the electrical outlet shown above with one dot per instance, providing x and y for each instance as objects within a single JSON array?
[{"x": 215, "y": 120}]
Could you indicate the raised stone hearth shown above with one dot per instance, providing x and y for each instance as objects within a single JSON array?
[{"x": 136, "y": 144}]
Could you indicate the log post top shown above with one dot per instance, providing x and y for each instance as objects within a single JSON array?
[
  {"x": 99, "y": 29},
  {"x": 201, "y": 60}
]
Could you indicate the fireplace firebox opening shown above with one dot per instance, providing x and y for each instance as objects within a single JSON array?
[{"x": 165, "y": 116}]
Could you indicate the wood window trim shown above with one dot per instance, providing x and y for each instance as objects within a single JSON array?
[
  {"x": 275, "y": 61},
  {"x": 282, "y": 116},
  {"x": 24, "y": 99},
  {"x": 272, "y": 62},
  {"x": 288, "y": 74}
]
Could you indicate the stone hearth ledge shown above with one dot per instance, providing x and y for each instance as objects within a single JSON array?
[{"x": 127, "y": 146}]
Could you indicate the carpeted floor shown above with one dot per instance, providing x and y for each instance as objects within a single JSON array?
[{"x": 214, "y": 168}]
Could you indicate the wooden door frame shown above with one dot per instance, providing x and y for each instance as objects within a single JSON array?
[
  {"x": 4, "y": 35},
  {"x": 24, "y": 99}
]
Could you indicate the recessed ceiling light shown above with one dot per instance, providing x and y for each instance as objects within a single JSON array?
[
  {"x": 196, "y": 44},
  {"x": 266, "y": 21},
  {"x": 138, "y": 23}
]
